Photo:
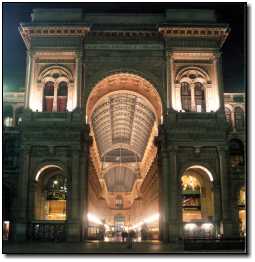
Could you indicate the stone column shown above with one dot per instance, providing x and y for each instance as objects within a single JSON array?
[
  {"x": 217, "y": 64},
  {"x": 175, "y": 201},
  {"x": 225, "y": 194},
  {"x": 84, "y": 186},
  {"x": 217, "y": 207},
  {"x": 192, "y": 92},
  {"x": 79, "y": 56},
  {"x": 55, "y": 98},
  {"x": 235, "y": 213},
  {"x": 21, "y": 206},
  {"x": 73, "y": 216},
  {"x": 29, "y": 61},
  {"x": 168, "y": 79},
  {"x": 163, "y": 194}
]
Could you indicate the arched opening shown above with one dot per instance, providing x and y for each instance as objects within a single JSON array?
[
  {"x": 62, "y": 96},
  {"x": 186, "y": 97},
  {"x": 197, "y": 203},
  {"x": 123, "y": 111},
  {"x": 242, "y": 211},
  {"x": 199, "y": 97},
  {"x": 51, "y": 194},
  {"x": 239, "y": 118},
  {"x": 48, "y": 96},
  {"x": 228, "y": 117}
]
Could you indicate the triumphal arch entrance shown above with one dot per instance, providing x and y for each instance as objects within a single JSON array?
[{"x": 124, "y": 128}]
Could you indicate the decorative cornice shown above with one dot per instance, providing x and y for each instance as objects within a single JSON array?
[
  {"x": 218, "y": 33},
  {"x": 27, "y": 32},
  {"x": 125, "y": 33}
]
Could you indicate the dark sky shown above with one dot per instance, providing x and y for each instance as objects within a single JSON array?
[{"x": 234, "y": 50}]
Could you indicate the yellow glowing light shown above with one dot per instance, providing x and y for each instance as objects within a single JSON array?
[
  {"x": 205, "y": 170},
  {"x": 190, "y": 226},
  {"x": 147, "y": 220},
  {"x": 44, "y": 168},
  {"x": 207, "y": 226},
  {"x": 93, "y": 218}
]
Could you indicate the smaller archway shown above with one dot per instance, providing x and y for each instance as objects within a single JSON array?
[
  {"x": 50, "y": 198},
  {"x": 197, "y": 202}
]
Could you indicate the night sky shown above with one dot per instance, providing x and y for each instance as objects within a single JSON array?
[{"x": 234, "y": 50}]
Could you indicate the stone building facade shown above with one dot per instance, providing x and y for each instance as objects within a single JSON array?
[{"x": 124, "y": 124}]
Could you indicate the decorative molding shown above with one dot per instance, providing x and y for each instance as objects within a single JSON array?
[
  {"x": 124, "y": 46},
  {"x": 27, "y": 32},
  {"x": 217, "y": 33}
]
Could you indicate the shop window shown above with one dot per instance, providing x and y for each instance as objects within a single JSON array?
[
  {"x": 239, "y": 118},
  {"x": 8, "y": 116},
  {"x": 242, "y": 212},
  {"x": 56, "y": 198},
  {"x": 199, "y": 97},
  {"x": 8, "y": 121},
  {"x": 191, "y": 198},
  {"x": 48, "y": 97},
  {"x": 62, "y": 97},
  {"x": 185, "y": 97}
]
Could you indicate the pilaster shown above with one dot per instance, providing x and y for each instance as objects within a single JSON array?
[
  {"x": 164, "y": 185},
  {"x": 21, "y": 210},
  {"x": 29, "y": 63},
  {"x": 79, "y": 56},
  {"x": 74, "y": 223},
  {"x": 175, "y": 200},
  {"x": 225, "y": 194}
]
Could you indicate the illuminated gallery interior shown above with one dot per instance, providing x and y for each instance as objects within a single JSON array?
[{"x": 118, "y": 134}]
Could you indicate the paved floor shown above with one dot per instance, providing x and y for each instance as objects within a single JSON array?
[{"x": 88, "y": 247}]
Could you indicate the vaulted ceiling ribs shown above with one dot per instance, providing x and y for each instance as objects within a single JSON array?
[{"x": 122, "y": 123}]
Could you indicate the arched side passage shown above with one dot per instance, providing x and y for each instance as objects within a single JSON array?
[
  {"x": 51, "y": 190},
  {"x": 198, "y": 202}
]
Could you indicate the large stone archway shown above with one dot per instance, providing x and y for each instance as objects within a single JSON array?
[{"x": 123, "y": 111}]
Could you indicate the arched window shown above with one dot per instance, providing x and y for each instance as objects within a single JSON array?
[
  {"x": 199, "y": 97},
  {"x": 119, "y": 202},
  {"x": 236, "y": 153},
  {"x": 228, "y": 116},
  {"x": 239, "y": 118},
  {"x": 62, "y": 97},
  {"x": 48, "y": 96},
  {"x": 185, "y": 97}
]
